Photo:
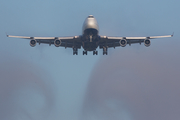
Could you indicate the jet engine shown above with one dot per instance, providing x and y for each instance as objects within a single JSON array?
[
  {"x": 57, "y": 42},
  {"x": 147, "y": 42},
  {"x": 123, "y": 42},
  {"x": 33, "y": 43}
]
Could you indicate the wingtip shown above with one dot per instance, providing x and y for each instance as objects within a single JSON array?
[
  {"x": 172, "y": 34},
  {"x": 7, "y": 35}
]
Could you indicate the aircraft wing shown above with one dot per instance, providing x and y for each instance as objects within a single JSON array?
[
  {"x": 115, "y": 41},
  {"x": 64, "y": 41}
]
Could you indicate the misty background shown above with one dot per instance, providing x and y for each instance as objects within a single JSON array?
[{"x": 49, "y": 83}]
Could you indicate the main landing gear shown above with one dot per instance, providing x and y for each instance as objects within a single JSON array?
[
  {"x": 84, "y": 52},
  {"x": 75, "y": 51},
  {"x": 104, "y": 50},
  {"x": 95, "y": 52}
]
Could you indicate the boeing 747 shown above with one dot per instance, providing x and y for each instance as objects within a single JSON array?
[{"x": 90, "y": 39}]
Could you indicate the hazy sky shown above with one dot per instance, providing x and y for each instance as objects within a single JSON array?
[{"x": 58, "y": 82}]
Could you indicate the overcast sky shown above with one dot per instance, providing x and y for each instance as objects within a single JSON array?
[{"x": 45, "y": 82}]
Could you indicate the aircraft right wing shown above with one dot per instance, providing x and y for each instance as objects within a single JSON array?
[{"x": 123, "y": 41}]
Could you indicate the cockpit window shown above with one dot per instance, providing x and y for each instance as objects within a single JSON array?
[{"x": 90, "y": 16}]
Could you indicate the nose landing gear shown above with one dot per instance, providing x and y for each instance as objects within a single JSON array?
[
  {"x": 104, "y": 50},
  {"x": 75, "y": 51}
]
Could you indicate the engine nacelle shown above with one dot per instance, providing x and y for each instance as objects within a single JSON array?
[
  {"x": 147, "y": 42},
  {"x": 57, "y": 42},
  {"x": 33, "y": 43},
  {"x": 123, "y": 42}
]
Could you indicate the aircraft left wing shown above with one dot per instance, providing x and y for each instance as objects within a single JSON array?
[
  {"x": 70, "y": 42},
  {"x": 123, "y": 41}
]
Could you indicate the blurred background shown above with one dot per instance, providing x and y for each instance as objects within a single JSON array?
[{"x": 49, "y": 83}]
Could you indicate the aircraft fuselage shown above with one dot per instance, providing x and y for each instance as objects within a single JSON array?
[{"x": 90, "y": 35}]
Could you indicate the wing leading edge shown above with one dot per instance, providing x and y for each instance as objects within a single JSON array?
[{"x": 70, "y": 42}]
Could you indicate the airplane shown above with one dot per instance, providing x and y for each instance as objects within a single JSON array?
[{"x": 90, "y": 39}]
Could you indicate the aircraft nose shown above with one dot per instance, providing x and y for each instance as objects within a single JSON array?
[{"x": 90, "y": 23}]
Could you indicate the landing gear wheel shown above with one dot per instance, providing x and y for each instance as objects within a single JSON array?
[
  {"x": 104, "y": 50},
  {"x": 84, "y": 52},
  {"x": 75, "y": 51},
  {"x": 95, "y": 52},
  {"x": 104, "y": 53}
]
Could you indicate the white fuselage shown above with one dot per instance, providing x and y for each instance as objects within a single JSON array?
[{"x": 90, "y": 34}]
